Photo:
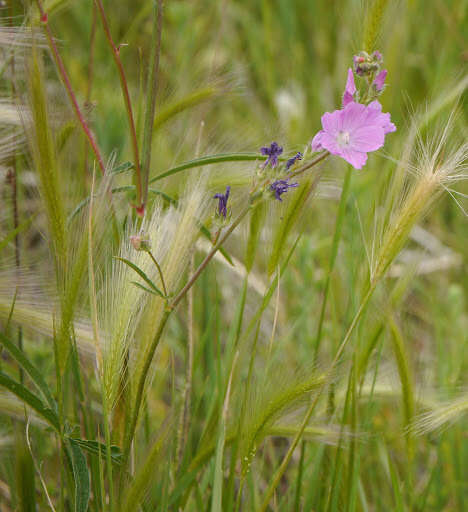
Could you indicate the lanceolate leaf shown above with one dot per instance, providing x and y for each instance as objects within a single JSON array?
[
  {"x": 29, "y": 368},
  {"x": 30, "y": 399},
  {"x": 97, "y": 448},
  {"x": 81, "y": 477},
  {"x": 141, "y": 274},
  {"x": 209, "y": 160}
]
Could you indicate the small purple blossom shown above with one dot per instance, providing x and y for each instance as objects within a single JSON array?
[
  {"x": 377, "y": 56},
  {"x": 379, "y": 80},
  {"x": 293, "y": 160},
  {"x": 223, "y": 199},
  {"x": 354, "y": 131},
  {"x": 280, "y": 187},
  {"x": 350, "y": 89},
  {"x": 273, "y": 152}
]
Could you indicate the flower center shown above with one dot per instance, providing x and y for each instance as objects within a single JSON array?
[{"x": 342, "y": 139}]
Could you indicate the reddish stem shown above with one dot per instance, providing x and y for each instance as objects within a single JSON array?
[
  {"x": 128, "y": 106},
  {"x": 68, "y": 87}
]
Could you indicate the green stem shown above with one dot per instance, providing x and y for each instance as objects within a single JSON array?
[
  {"x": 334, "y": 252},
  {"x": 284, "y": 463},
  {"x": 159, "y": 272}
]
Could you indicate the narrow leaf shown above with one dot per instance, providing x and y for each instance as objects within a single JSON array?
[
  {"x": 147, "y": 289},
  {"x": 30, "y": 399},
  {"x": 97, "y": 448},
  {"x": 81, "y": 477},
  {"x": 209, "y": 160},
  {"x": 141, "y": 274},
  {"x": 29, "y": 368}
]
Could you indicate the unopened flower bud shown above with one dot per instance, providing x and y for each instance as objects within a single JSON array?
[{"x": 140, "y": 242}]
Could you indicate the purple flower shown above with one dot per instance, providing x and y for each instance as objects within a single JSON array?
[
  {"x": 293, "y": 160},
  {"x": 377, "y": 56},
  {"x": 353, "y": 131},
  {"x": 273, "y": 152},
  {"x": 379, "y": 80},
  {"x": 350, "y": 89},
  {"x": 280, "y": 187},
  {"x": 223, "y": 199}
]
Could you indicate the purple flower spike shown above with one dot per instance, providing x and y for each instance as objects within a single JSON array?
[
  {"x": 293, "y": 160},
  {"x": 379, "y": 81},
  {"x": 280, "y": 187},
  {"x": 223, "y": 199},
  {"x": 350, "y": 89},
  {"x": 353, "y": 132},
  {"x": 273, "y": 152}
]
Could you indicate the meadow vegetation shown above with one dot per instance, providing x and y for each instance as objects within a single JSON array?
[{"x": 212, "y": 295}]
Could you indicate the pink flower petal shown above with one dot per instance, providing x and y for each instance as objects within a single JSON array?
[
  {"x": 367, "y": 138},
  {"x": 316, "y": 144},
  {"x": 379, "y": 81},
  {"x": 350, "y": 89},
  {"x": 332, "y": 121},
  {"x": 355, "y": 158}
]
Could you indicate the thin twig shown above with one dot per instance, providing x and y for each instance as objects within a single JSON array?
[{"x": 307, "y": 166}]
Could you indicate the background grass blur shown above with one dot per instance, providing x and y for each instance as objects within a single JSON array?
[{"x": 255, "y": 71}]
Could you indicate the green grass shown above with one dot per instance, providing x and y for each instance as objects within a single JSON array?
[{"x": 309, "y": 354}]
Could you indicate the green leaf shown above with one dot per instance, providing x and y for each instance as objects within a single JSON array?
[
  {"x": 126, "y": 166},
  {"x": 146, "y": 289},
  {"x": 30, "y": 369},
  {"x": 209, "y": 160},
  {"x": 80, "y": 475},
  {"x": 97, "y": 448},
  {"x": 30, "y": 399},
  {"x": 217, "y": 499},
  {"x": 141, "y": 274},
  {"x": 12, "y": 234}
]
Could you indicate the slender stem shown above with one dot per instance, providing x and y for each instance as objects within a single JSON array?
[
  {"x": 162, "y": 324},
  {"x": 334, "y": 252},
  {"x": 307, "y": 166},
  {"x": 210, "y": 255},
  {"x": 66, "y": 81},
  {"x": 128, "y": 105},
  {"x": 153, "y": 82},
  {"x": 159, "y": 271},
  {"x": 284, "y": 463},
  {"x": 141, "y": 385},
  {"x": 89, "y": 86}
]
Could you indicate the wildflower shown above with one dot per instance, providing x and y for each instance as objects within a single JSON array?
[
  {"x": 364, "y": 64},
  {"x": 293, "y": 160},
  {"x": 140, "y": 242},
  {"x": 379, "y": 80},
  {"x": 223, "y": 199},
  {"x": 279, "y": 187},
  {"x": 353, "y": 131},
  {"x": 273, "y": 152},
  {"x": 350, "y": 89}
]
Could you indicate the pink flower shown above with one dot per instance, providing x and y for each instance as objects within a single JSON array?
[
  {"x": 379, "y": 80},
  {"x": 350, "y": 89},
  {"x": 353, "y": 131}
]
